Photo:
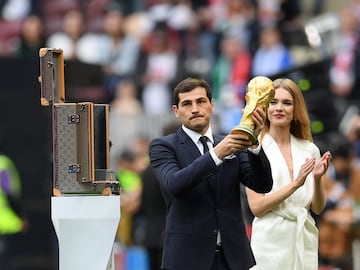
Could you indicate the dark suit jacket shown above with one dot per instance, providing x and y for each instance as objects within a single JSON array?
[{"x": 202, "y": 198}]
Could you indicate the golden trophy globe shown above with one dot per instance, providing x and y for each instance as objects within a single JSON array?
[{"x": 259, "y": 92}]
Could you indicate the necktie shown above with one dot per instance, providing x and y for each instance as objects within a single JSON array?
[{"x": 203, "y": 140}]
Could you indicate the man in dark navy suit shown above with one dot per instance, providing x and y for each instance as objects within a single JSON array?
[{"x": 201, "y": 185}]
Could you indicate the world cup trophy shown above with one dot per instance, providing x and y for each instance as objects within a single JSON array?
[{"x": 259, "y": 92}]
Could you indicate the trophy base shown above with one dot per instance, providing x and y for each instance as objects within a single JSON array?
[{"x": 245, "y": 129}]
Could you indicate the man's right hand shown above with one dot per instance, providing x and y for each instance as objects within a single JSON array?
[{"x": 231, "y": 144}]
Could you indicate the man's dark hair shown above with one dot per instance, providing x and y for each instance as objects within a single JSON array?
[{"x": 188, "y": 85}]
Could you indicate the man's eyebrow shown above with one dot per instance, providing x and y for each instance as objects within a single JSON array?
[
  {"x": 186, "y": 100},
  {"x": 193, "y": 100}
]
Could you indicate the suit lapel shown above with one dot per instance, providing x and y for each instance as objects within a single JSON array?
[{"x": 189, "y": 145}]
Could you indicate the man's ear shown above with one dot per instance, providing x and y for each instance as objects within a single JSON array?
[{"x": 175, "y": 109}]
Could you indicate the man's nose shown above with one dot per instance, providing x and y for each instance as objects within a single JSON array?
[{"x": 194, "y": 107}]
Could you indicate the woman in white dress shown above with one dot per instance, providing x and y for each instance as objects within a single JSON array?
[{"x": 284, "y": 235}]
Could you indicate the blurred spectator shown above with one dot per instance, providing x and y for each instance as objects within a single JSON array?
[
  {"x": 138, "y": 25},
  {"x": 198, "y": 4},
  {"x": 319, "y": 7},
  {"x": 131, "y": 163},
  {"x": 9, "y": 36},
  {"x": 345, "y": 67},
  {"x": 126, "y": 101},
  {"x": 290, "y": 15},
  {"x": 94, "y": 11},
  {"x": 32, "y": 38},
  {"x": 269, "y": 12},
  {"x": 125, "y": 114},
  {"x": 15, "y": 9},
  {"x": 54, "y": 12},
  {"x": 338, "y": 178},
  {"x": 354, "y": 5},
  {"x": 349, "y": 126},
  {"x": 12, "y": 218},
  {"x": 180, "y": 18},
  {"x": 180, "y": 15},
  {"x": 240, "y": 21},
  {"x": 118, "y": 51},
  {"x": 131, "y": 7},
  {"x": 159, "y": 67},
  {"x": 141, "y": 149},
  {"x": 159, "y": 11},
  {"x": 130, "y": 182},
  {"x": 198, "y": 50},
  {"x": 231, "y": 73},
  {"x": 73, "y": 28},
  {"x": 215, "y": 14},
  {"x": 198, "y": 41},
  {"x": 342, "y": 187},
  {"x": 272, "y": 56},
  {"x": 354, "y": 134}
]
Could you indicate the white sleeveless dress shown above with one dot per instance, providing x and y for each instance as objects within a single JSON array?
[{"x": 286, "y": 238}]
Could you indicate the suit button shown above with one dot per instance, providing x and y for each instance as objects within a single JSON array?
[{"x": 214, "y": 232}]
